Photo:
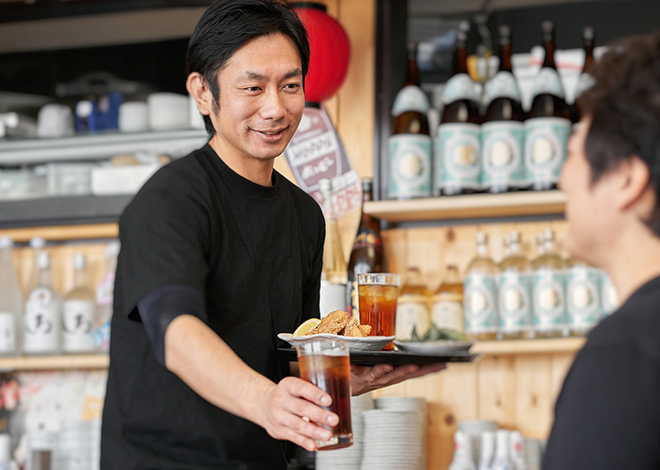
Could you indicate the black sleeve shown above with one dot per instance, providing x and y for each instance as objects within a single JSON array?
[
  {"x": 606, "y": 416},
  {"x": 311, "y": 290},
  {"x": 164, "y": 238},
  {"x": 159, "y": 307}
]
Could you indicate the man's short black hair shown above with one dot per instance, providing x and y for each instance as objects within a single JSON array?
[
  {"x": 229, "y": 24},
  {"x": 624, "y": 107}
]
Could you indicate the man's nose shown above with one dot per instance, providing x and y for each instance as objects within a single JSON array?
[{"x": 272, "y": 105}]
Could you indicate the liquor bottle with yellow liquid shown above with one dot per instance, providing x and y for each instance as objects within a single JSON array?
[
  {"x": 515, "y": 310},
  {"x": 583, "y": 297},
  {"x": 413, "y": 318},
  {"x": 457, "y": 152},
  {"x": 549, "y": 286},
  {"x": 480, "y": 290},
  {"x": 334, "y": 274},
  {"x": 447, "y": 302}
]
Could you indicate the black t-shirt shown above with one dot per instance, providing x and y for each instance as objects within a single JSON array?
[
  {"x": 608, "y": 413},
  {"x": 256, "y": 254}
]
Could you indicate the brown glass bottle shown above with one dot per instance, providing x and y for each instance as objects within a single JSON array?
[
  {"x": 457, "y": 159},
  {"x": 367, "y": 254},
  {"x": 586, "y": 79},
  {"x": 548, "y": 122},
  {"x": 503, "y": 132},
  {"x": 410, "y": 155}
]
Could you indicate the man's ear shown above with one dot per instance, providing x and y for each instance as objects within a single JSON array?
[
  {"x": 199, "y": 90},
  {"x": 632, "y": 185}
]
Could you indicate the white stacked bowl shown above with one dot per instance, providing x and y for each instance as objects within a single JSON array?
[
  {"x": 392, "y": 440},
  {"x": 409, "y": 404},
  {"x": 77, "y": 444},
  {"x": 349, "y": 458}
]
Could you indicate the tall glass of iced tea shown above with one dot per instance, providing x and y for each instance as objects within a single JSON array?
[
  {"x": 378, "y": 293},
  {"x": 326, "y": 364}
]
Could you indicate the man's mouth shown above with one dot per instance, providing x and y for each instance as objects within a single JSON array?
[{"x": 271, "y": 132}]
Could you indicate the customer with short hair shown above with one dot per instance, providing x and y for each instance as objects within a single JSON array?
[{"x": 608, "y": 413}]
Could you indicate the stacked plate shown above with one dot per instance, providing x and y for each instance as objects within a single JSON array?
[
  {"x": 392, "y": 440},
  {"x": 349, "y": 458},
  {"x": 78, "y": 446},
  {"x": 409, "y": 404}
]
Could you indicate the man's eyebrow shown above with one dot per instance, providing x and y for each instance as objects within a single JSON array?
[{"x": 257, "y": 76}]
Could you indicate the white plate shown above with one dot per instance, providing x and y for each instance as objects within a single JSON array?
[
  {"x": 369, "y": 343},
  {"x": 433, "y": 348}
]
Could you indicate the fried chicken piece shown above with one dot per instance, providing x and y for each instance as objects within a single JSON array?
[
  {"x": 332, "y": 323},
  {"x": 365, "y": 329},
  {"x": 353, "y": 329}
]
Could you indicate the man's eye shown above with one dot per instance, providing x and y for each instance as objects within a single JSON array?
[
  {"x": 253, "y": 89},
  {"x": 292, "y": 86}
]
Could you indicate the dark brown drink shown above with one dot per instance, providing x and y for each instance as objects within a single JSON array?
[{"x": 332, "y": 374}]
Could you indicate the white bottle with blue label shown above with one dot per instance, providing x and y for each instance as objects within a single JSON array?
[
  {"x": 548, "y": 291},
  {"x": 514, "y": 288},
  {"x": 480, "y": 294},
  {"x": 583, "y": 297}
]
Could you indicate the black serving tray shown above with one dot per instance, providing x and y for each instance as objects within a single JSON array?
[{"x": 395, "y": 358}]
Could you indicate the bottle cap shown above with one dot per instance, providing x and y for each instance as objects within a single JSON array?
[
  {"x": 548, "y": 27},
  {"x": 505, "y": 31},
  {"x": 6, "y": 242},
  {"x": 37, "y": 243},
  {"x": 482, "y": 237},
  {"x": 325, "y": 185},
  {"x": 112, "y": 249},
  {"x": 588, "y": 33}
]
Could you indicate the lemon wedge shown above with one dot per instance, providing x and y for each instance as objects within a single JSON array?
[{"x": 306, "y": 326}]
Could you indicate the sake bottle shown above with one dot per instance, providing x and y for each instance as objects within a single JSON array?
[
  {"x": 549, "y": 285},
  {"x": 457, "y": 153},
  {"x": 582, "y": 297},
  {"x": 462, "y": 459},
  {"x": 503, "y": 132},
  {"x": 515, "y": 310},
  {"x": 43, "y": 315},
  {"x": 410, "y": 152},
  {"x": 413, "y": 318},
  {"x": 548, "y": 123},
  {"x": 11, "y": 302},
  {"x": 447, "y": 302},
  {"x": 480, "y": 294},
  {"x": 586, "y": 79},
  {"x": 79, "y": 311}
]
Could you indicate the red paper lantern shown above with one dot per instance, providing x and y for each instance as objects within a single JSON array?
[{"x": 330, "y": 51}]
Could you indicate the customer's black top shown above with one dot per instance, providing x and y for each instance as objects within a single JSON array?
[
  {"x": 255, "y": 253},
  {"x": 608, "y": 413}
]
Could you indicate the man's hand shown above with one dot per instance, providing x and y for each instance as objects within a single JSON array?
[
  {"x": 365, "y": 379},
  {"x": 287, "y": 409}
]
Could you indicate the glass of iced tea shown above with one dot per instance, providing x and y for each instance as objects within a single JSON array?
[
  {"x": 378, "y": 294},
  {"x": 326, "y": 364}
]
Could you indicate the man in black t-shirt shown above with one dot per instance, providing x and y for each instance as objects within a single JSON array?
[
  {"x": 219, "y": 254},
  {"x": 608, "y": 413}
]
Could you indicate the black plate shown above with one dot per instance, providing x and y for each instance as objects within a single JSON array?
[{"x": 395, "y": 358}]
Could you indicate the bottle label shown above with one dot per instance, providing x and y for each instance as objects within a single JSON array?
[
  {"x": 410, "y": 166},
  {"x": 514, "y": 302},
  {"x": 545, "y": 148},
  {"x": 447, "y": 312},
  {"x": 479, "y": 304},
  {"x": 7, "y": 332},
  {"x": 105, "y": 290},
  {"x": 503, "y": 163},
  {"x": 412, "y": 313},
  {"x": 458, "y": 157},
  {"x": 583, "y": 297},
  {"x": 459, "y": 87},
  {"x": 609, "y": 296},
  {"x": 77, "y": 320},
  {"x": 42, "y": 322},
  {"x": 410, "y": 98},
  {"x": 548, "y": 81},
  {"x": 548, "y": 298},
  {"x": 585, "y": 82},
  {"x": 502, "y": 85}
]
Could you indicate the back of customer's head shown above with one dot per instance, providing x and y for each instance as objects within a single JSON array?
[
  {"x": 229, "y": 24},
  {"x": 624, "y": 108}
]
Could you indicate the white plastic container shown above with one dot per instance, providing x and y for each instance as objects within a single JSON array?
[
  {"x": 134, "y": 116},
  {"x": 168, "y": 111}
]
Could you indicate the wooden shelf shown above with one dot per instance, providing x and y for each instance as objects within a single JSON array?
[
  {"x": 80, "y": 361},
  {"x": 529, "y": 346},
  {"x": 62, "y": 232},
  {"x": 525, "y": 203}
]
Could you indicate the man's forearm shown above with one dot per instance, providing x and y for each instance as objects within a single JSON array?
[{"x": 199, "y": 357}]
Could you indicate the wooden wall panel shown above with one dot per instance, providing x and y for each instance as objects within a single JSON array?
[{"x": 496, "y": 390}]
